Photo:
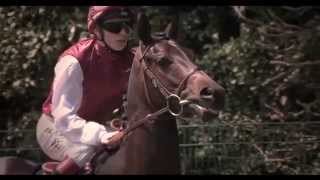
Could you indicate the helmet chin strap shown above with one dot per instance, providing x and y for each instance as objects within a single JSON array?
[{"x": 100, "y": 37}]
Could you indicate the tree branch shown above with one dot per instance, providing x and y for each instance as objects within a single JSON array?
[
  {"x": 308, "y": 63},
  {"x": 275, "y": 78},
  {"x": 239, "y": 12},
  {"x": 282, "y": 22}
]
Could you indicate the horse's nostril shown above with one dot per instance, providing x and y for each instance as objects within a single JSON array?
[{"x": 207, "y": 93}]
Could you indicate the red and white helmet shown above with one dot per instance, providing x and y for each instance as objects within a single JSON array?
[{"x": 95, "y": 12}]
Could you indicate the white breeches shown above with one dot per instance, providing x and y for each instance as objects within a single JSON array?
[{"x": 57, "y": 147}]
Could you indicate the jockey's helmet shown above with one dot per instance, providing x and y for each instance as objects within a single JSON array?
[{"x": 110, "y": 12}]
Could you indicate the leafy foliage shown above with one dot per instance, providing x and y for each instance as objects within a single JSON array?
[
  {"x": 30, "y": 44},
  {"x": 272, "y": 99},
  {"x": 270, "y": 121}
]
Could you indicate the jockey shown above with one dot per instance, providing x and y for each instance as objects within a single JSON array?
[{"x": 90, "y": 79}]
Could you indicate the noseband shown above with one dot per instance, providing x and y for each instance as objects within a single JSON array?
[{"x": 173, "y": 99}]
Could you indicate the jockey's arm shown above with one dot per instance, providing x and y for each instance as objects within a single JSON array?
[{"x": 66, "y": 100}]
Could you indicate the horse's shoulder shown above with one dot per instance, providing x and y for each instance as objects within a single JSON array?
[
  {"x": 17, "y": 159},
  {"x": 12, "y": 164}
]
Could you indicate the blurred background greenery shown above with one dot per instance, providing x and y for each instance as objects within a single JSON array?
[{"x": 266, "y": 57}]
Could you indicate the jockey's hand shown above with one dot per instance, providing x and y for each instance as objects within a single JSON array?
[{"x": 113, "y": 141}]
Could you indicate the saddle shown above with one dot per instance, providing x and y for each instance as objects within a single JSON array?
[
  {"x": 101, "y": 155},
  {"x": 49, "y": 168}
]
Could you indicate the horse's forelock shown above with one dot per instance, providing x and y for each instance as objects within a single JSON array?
[{"x": 186, "y": 52}]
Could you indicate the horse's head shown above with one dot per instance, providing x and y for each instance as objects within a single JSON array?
[
  {"x": 187, "y": 89},
  {"x": 162, "y": 78}
]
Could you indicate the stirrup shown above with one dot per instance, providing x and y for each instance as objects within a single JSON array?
[
  {"x": 118, "y": 124},
  {"x": 88, "y": 169},
  {"x": 49, "y": 168}
]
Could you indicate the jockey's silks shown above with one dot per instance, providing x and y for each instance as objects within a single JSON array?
[{"x": 105, "y": 79}]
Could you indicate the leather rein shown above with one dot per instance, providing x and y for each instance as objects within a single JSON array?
[{"x": 172, "y": 99}]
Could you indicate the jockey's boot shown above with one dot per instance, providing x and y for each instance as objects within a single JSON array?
[
  {"x": 67, "y": 166},
  {"x": 48, "y": 168}
]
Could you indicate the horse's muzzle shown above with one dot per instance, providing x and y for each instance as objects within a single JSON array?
[{"x": 204, "y": 113}]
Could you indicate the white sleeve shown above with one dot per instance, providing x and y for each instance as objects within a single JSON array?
[{"x": 66, "y": 100}]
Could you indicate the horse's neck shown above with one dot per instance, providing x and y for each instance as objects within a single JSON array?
[
  {"x": 159, "y": 126},
  {"x": 139, "y": 106},
  {"x": 163, "y": 132},
  {"x": 150, "y": 148},
  {"x": 157, "y": 137}
]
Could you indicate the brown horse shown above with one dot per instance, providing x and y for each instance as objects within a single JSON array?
[
  {"x": 163, "y": 84},
  {"x": 14, "y": 165}
]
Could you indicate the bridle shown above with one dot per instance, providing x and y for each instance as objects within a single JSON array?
[
  {"x": 173, "y": 100},
  {"x": 156, "y": 82}
]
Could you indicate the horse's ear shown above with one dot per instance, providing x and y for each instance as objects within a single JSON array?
[
  {"x": 144, "y": 29},
  {"x": 172, "y": 28}
]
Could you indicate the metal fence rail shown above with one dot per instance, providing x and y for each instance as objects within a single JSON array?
[
  {"x": 222, "y": 148},
  {"x": 241, "y": 148}
]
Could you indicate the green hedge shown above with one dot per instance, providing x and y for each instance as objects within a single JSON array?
[{"x": 270, "y": 73}]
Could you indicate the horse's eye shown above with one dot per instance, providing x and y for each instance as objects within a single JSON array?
[{"x": 164, "y": 61}]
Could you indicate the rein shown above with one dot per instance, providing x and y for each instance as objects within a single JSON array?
[
  {"x": 151, "y": 117},
  {"x": 172, "y": 99}
]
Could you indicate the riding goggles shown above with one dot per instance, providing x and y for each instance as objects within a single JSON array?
[{"x": 116, "y": 25}]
